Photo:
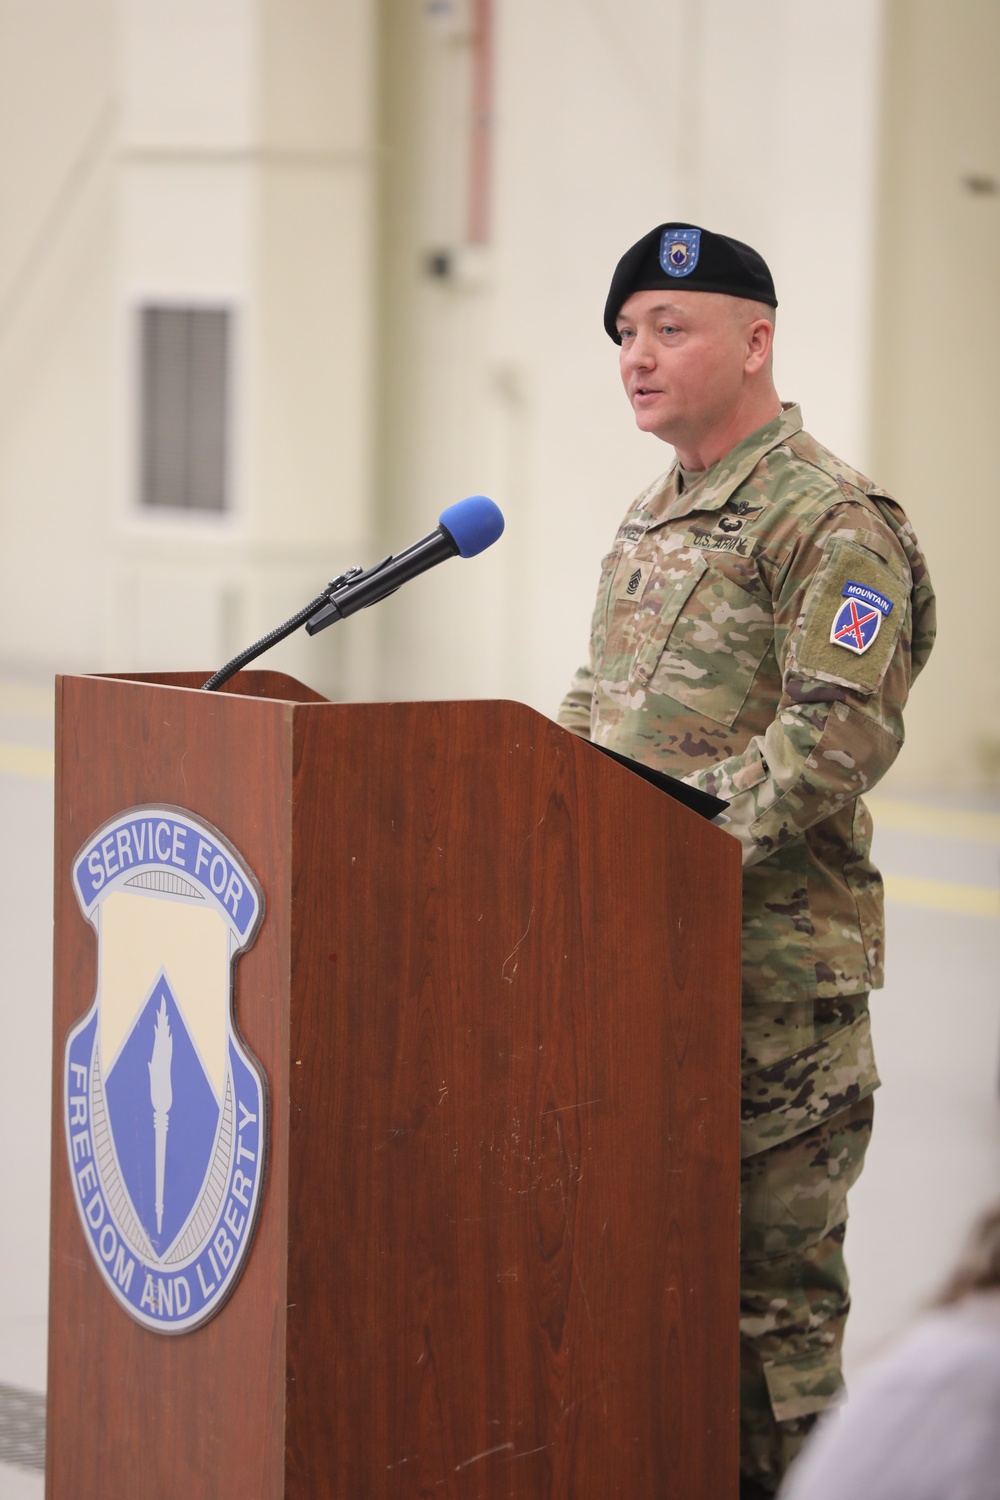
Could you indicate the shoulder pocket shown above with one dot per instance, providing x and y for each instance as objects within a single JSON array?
[{"x": 852, "y": 615}]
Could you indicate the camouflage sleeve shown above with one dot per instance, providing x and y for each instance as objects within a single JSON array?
[
  {"x": 574, "y": 711},
  {"x": 838, "y": 726}
]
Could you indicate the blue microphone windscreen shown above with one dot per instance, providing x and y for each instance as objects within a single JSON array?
[{"x": 474, "y": 524}]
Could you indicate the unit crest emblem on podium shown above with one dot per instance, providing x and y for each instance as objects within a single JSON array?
[{"x": 164, "y": 1106}]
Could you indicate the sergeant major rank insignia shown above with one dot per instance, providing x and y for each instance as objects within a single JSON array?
[
  {"x": 679, "y": 250},
  {"x": 857, "y": 621},
  {"x": 164, "y": 1107}
]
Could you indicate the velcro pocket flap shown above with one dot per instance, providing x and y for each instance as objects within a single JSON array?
[
  {"x": 665, "y": 596},
  {"x": 715, "y": 644}
]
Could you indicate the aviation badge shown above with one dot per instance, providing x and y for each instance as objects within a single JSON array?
[
  {"x": 857, "y": 622},
  {"x": 164, "y": 1106},
  {"x": 679, "y": 250}
]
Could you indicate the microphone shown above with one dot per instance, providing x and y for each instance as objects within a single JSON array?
[{"x": 463, "y": 530}]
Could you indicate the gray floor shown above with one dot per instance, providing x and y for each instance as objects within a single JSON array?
[
  {"x": 934, "y": 1161},
  {"x": 26, "y": 1049}
]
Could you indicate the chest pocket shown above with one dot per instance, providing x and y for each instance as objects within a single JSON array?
[
  {"x": 705, "y": 649},
  {"x": 639, "y": 599}
]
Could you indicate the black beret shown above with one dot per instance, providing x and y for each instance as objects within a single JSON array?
[{"x": 690, "y": 260}]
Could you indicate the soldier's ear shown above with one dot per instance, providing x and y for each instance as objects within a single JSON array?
[{"x": 760, "y": 342}]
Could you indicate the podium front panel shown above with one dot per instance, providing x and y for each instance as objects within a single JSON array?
[{"x": 495, "y": 995}]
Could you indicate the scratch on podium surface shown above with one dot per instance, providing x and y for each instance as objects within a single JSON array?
[
  {"x": 567, "y": 1411},
  {"x": 532, "y": 831},
  {"x": 487, "y": 1453},
  {"x": 574, "y": 1263},
  {"x": 562, "y": 1108},
  {"x": 510, "y": 977}
]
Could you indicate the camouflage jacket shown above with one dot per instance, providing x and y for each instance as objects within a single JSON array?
[{"x": 724, "y": 650}]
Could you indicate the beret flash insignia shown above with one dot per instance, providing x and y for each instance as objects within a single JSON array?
[{"x": 679, "y": 250}]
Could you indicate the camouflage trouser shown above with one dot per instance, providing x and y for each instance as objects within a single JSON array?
[{"x": 794, "y": 1290}]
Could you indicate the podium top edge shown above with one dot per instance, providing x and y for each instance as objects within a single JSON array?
[
  {"x": 284, "y": 689},
  {"x": 269, "y": 685}
]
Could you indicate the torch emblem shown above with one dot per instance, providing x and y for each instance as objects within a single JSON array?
[
  {"x": 164, "y": 1105},
  {"x": 161, "y": 1098}
]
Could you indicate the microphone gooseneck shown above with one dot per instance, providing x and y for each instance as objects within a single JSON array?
[{"x": 464, "y": 529}]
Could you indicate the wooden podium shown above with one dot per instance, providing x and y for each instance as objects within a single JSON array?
[{"x": 495, "y": 995}]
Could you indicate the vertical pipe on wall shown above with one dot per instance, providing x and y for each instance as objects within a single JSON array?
[{"x": 481, "y": 138}]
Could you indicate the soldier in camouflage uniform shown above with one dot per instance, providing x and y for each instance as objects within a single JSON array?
[{"x": 759, "y": 619}]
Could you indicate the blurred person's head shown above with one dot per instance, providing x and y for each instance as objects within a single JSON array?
[
  {"x": 979, "y": 1268},
  {"x": 693, "y": 315}
]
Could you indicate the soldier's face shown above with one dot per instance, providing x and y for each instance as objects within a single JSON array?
[{"x": 683, "y": 361}]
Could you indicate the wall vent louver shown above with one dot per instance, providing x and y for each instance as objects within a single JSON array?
[{"x": 184, "y": 360}]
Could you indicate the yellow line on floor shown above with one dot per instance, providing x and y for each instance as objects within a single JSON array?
[
  {"x": 908, "y": 890},
  {"x": 938, "y": 822},
  {"x": 27, "y": 699},
  {"x": 943, "y": 895},
  {"x": 26, "y": 760}
]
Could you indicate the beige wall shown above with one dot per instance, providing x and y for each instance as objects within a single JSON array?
[
  {"x": 300, "y": 159},
  {"x": 246, "y": 178},
  {"x": 58, "y": 116},
  {"x": 196, "y": 152},
  {"x": 610, "y": 116},
  {"x": 937, "y": 388}
]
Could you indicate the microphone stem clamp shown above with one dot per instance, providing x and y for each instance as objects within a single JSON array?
[
  {"x": 316, "y": 615},
  {"x": 464, "y": 529},
  {"x": 342, "y": 579},
  {"x": 330, "y": 612}
]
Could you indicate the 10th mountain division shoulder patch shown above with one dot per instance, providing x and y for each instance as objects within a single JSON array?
[
  {"x": 857, "y": 622},
  {"x": 164, "y": 1106}
]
